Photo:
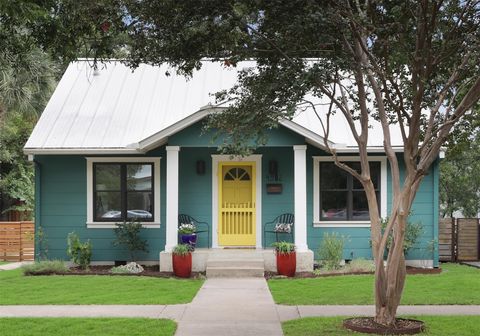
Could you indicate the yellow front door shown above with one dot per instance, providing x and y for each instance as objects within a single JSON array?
[{"x": 236, "y": 204}]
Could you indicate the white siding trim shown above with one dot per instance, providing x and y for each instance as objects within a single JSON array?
[
  {"x": 156, "y": 190},
  {"x": 257, "y": 158},
  {"x": 316, "y": 191}
]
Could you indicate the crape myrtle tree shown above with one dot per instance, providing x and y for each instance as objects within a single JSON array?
[
  {"x": 408, "y": 64},
  {"x": 413, "y": 65}
]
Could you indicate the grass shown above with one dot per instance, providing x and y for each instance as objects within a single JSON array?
[
  {"x": 4, "y": 262},
  {"x": 457, "y": 284},
  {"x": 86, "y": 326},
  {"x": 18, "y": 289},
  {"x": 436, "y": 325}
]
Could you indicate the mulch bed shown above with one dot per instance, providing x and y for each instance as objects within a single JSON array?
[
  {"x": 300, "y": 275},
  {"x": 150, "y": 271},
  {"x": 369, "y": 326}
]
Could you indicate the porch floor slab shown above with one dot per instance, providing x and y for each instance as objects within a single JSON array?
[{"x": 227, "y": 306}]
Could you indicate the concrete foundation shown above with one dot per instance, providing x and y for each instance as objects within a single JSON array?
[{"x": 201, "y": 256}]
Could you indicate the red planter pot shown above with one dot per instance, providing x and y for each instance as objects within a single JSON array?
[
  {"x": 286, "y": 264},
  {"x": 182, "y": 265}
]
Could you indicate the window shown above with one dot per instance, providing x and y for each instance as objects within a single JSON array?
[
  {"x": 339, "y": 197},
  {"x": 122, "y": 189}
]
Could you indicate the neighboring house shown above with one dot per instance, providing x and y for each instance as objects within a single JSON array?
[{"x": 113, "y": 144}]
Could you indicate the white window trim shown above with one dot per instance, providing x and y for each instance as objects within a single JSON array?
[
  {"x": 216, "y": 159},
  {"x": 91, "y": 224},
  {"x": 316, "y": 191}
]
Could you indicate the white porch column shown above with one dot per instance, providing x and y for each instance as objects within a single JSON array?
[
  {"x": 172, "y": 198},
  {"x": 300, "y": 190}
]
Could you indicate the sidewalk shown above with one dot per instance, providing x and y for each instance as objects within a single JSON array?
[
  {"x": 294, "y": 312},
  {"x": 14, "y": 265},
  {"x": 173, "y": 312}
]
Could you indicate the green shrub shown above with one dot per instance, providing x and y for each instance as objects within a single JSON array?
[
  {"x": 45, "y": 267},
  {"x": 331, "y": 250},
  {"x": 80, "y": 253},
  {"x": 413, "y": 231},
  {"x": 128, "y": 234},
  {"x": 182, "y": 249},
  {"x": 284, "y": 247}
]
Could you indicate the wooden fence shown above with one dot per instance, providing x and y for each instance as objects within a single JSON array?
[
  {"x": 17, "y": 241},
  {"x": 459, "y": 239}
]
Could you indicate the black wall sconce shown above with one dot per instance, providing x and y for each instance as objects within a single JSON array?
[
  {"x": 273, "y": 170},
  {"x": 200, "y": 166}
]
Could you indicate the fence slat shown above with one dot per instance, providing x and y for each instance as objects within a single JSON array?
[{"x": 17, "y": 241}]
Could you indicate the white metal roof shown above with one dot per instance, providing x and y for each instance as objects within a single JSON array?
[{"x": 116, "y": 109}]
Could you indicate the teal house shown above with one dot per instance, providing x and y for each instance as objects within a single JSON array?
[{"x": 115, "y": 144}]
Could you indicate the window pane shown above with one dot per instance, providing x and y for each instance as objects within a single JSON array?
[
  {"x": 334, "y": 205},
  {"x": 107, "y": 177},
  {"x": 108, "y": 205},
  {"x": 360, "y": 206},
  {"x": 332, "y": 177},
  {"x": 139, "y": 205},
  {"x": 139, "y": 177},
  {"x": 374, "y": 175}
]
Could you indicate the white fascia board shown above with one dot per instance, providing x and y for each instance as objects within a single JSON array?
[
  {"x": 309, "y": 135},
  {"x": 80, "y": 151},
  {"x": 375, "y": 149},
  {"x": 160, "y": 137}
]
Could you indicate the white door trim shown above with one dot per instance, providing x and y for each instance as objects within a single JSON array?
[{"x": 257, "y": 158}]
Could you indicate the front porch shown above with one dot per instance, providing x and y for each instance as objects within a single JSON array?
[
  {"x": 206, "y": 196},
  {"x": 222, "y": 262}
]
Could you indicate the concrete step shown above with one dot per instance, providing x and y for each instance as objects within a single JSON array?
[
  {"x": 235, "y": 262},
  {"x": 235, "y": 272},
  {"x": 235, "y": 254}
]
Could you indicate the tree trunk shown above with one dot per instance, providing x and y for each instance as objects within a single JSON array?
[{"x": 390, "y": 279}]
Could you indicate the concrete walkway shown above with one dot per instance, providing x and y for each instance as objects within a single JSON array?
[
  {"x": 14, "y": 265},
  {"x": 242, "y": 306}
]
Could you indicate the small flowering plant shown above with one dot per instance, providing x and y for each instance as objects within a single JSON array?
[{"x": 187, "y": 228}]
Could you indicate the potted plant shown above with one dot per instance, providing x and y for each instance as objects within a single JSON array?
[
  {"x": 182, "y": 260},
  {"x": 187, "y": 234},
  {"x": 286, "y": 258}
]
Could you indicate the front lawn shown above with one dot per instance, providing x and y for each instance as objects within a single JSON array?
[
  {"x": 436, "y": 325},
  {"x": 86, "y": 326},
  {"x": 17, "y": 289},
  {"x": 457, "y": 284}
]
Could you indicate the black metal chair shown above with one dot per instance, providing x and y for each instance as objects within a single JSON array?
[
  {"x": 282, "y": 224},
  {"x": 200, "y": 226}
]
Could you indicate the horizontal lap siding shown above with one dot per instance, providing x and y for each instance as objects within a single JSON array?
[
  {"x": 195, "y": 191},
  {"x": 63, "y": 209},
  {"x": 276, "y": 204}
]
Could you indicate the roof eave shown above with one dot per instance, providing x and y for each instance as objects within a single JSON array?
[{"x": 81, "y": 151}]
